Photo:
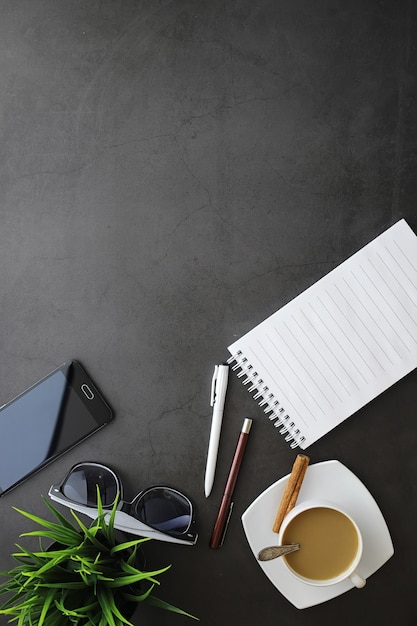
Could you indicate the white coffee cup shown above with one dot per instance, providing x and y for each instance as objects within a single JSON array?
[{"x": 322, "y": 546}]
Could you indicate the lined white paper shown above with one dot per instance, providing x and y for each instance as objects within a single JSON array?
[{"x": 340, "y": 343}]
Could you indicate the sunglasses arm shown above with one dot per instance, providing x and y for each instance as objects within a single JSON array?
[
  {"x": 56, "y": 496},
  {"x": 129, "y": 524},
  {"x": 123, "y": 521}
]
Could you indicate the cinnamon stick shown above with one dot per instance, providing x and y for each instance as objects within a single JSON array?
[{"x": 292, "y": 489}]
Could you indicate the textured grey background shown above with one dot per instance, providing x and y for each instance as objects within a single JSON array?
[{"x": 172, "y": 172}]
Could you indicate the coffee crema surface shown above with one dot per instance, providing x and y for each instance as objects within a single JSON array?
[{"x": 328, "y": 543}]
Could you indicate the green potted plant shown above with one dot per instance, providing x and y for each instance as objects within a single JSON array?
[{"x": 87, "y": 577}]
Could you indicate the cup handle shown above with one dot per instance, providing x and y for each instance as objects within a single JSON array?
[{"x": 357, "y": 580}]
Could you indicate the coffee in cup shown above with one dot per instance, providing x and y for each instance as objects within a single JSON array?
[{"x": 330, "y": 544}]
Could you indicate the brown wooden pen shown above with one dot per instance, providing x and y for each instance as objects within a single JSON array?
[{"x": 226, "y": 504}]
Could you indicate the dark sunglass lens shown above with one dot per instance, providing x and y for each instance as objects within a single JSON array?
[
  {"x": 164, "y": 509},
  {"x": 80, "y": 486}
]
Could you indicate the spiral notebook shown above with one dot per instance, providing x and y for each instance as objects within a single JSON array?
[{"x": 339, "y": 344}]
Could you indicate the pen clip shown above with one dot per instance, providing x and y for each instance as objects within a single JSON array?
[
  {"x": 213, "y": 385},
  {"x": 219, "y": 385},
  {"x": 229, "y": 515}
]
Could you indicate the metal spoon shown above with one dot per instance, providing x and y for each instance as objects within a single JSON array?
[{"x": 267, "y": 554}]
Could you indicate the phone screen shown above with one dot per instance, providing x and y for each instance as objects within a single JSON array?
[{"x": 46, "y": 420}]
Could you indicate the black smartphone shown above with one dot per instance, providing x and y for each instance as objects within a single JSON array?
[{"x": 46, "y": 420}]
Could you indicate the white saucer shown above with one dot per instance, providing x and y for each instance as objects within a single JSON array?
[{"x": 332, "y": 481}]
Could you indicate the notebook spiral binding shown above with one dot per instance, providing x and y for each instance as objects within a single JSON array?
[{"x": 273, "y": 408}]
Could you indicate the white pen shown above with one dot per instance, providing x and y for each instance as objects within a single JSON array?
[{"x": 218, "y": 396}]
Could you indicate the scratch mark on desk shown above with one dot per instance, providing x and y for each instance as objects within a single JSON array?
[{"x": 401, "y": 104}]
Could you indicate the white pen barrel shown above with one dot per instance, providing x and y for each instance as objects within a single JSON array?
[
  {"x": 213, "y": 448},
  {"x": 218, "y": 396}
]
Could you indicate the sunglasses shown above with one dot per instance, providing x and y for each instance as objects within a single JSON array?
[{"x": 158, "y": 512}]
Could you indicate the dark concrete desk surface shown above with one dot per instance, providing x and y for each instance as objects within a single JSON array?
[{"x": 170, "y": 174}]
